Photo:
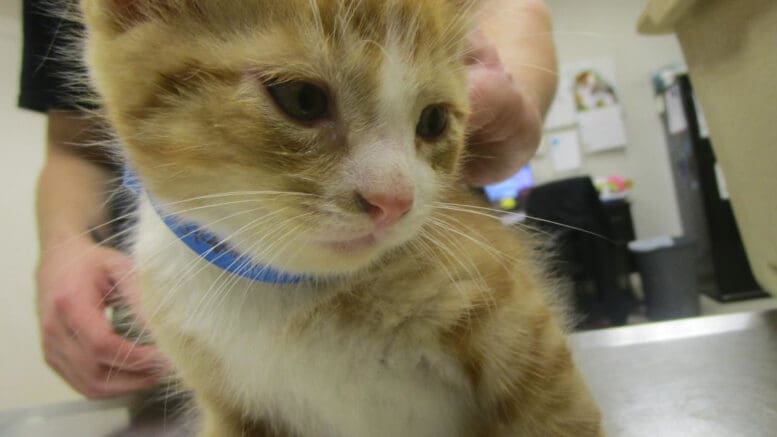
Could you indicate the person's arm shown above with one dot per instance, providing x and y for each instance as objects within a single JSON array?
[
  {"x": 71, "y": 187},
  {"x": 75, "y": 274},
  {"x": 522, "y": 31},
  {"x": 512, "y": 78}
]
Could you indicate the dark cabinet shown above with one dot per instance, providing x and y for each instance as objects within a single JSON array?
[{"x": 723, "y": 268}]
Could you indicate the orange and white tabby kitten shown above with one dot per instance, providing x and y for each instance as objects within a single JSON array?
[{"x": 321, "y": 139}]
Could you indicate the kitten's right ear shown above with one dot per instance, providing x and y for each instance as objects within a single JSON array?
[{"x": 116, "y": 16}]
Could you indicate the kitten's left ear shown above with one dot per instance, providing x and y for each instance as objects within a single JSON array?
[
  {"x": 468, "y": 9},
  {"x": 466, "y": 5}
]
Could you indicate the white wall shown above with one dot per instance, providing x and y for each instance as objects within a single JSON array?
[
  {"x": 595, "y": 29},
  {"x": 24, "y": 377}
]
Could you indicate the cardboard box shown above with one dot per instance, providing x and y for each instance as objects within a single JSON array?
[{"x": 731, "y": 51}]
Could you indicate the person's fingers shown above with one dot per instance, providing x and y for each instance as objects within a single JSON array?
[
  {"x": 97, "y": 338},
  {"x": 83, "y": 316},
  {"x": 120, "y": 270},
  {"x": 61, "y": 365},
  {"x": 121, "y": 273},
  {"x": 480, "y": 51},
  {"x": 112, "y": 383},
  {"x": 58, "y": 353},
  {"x": 481, "y": 115},
  {"x": 489, "y": 164},
  {"x": 94, "y": 380},
  {"x": 79, "y": 342},
  {"x": 492, "y": 98},
  {"x": 499, "y": 149},
  {"x": 504, "y": 128}
]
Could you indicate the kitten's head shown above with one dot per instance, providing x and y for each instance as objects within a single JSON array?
[{"x": 316, "y": 134}]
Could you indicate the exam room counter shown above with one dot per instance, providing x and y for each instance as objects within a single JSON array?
[{"x": 708, "y": 376}]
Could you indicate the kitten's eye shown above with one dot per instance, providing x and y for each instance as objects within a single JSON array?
[
  {"x": 301, "y": 101},
  {"x": 433, "y": 122}
]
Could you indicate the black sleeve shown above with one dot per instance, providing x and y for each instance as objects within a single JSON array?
[{"x": 47, "y": 70}]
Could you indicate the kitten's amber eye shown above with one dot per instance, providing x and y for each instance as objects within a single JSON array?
[
  {"x": 302, "y": 101},
  {"x": 433, "y": 122}
]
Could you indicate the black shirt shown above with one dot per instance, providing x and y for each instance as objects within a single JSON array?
[{"x": 47, "y": 71}]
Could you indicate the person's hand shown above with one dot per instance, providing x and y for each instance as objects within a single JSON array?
[
  {"x": 75, "y": 283},
  {"x": 505, "y": 127}
]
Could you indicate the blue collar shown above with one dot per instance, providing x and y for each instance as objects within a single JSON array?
[{"x": 212, "y": 248}]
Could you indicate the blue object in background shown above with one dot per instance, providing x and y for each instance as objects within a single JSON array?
[{"x": 512, "y": 187}]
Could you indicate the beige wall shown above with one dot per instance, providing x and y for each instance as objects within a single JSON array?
[
  {"x": 24, "y": 378},
  {"x": 595, "y": 29}
]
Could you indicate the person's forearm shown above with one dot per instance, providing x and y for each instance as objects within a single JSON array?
[
  {"x": 72, "y": 186},
  {"x": 76, "y": 275},
  {"x": 522, "y": 31}
]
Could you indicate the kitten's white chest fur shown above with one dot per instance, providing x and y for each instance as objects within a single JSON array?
[{"x": 323, "y": 381}]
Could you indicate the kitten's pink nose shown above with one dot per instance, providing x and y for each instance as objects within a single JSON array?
[{"x": 385, "y": 209}]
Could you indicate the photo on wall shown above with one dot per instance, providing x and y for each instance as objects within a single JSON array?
[{"x": 588, "y": 96}]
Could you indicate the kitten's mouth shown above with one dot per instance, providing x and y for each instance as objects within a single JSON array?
[{"x": 355, "y": 244}]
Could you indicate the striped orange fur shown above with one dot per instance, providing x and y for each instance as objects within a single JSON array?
[{"x": 446, "y": 325}]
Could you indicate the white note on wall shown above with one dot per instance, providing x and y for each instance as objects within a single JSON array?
[
  {"x": 562, "y": 112},
  {"x": 603, "y": 129},
  {"x": 564, "y": 149},
  {"x": 704, "y": 130},
  {"x": 675, "y": 114},
  {"x": 721, "y": 180}
]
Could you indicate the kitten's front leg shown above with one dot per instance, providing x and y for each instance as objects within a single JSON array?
[
  {"x": 202, "y": 373},
  {"x": 525, "y": 377},
  {"x": 562, "y": 408},
  {"x": 218, "y": 421}
]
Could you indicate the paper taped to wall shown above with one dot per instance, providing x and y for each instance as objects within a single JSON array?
[
  {"x": 565, "y": 150},
  {"x": 675, "y": 114},
  {"x": 598, "y": 108},
  {"x": 603, "y": 129}
]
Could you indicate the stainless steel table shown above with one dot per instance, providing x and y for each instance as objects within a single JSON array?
[{"x": 709, "y": 376}]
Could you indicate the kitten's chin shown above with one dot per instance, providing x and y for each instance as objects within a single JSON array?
[
  {"x": 322, "y": 257},
  {"x": 356, "y": 245},
  {"x": 333, "y": 259}
]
